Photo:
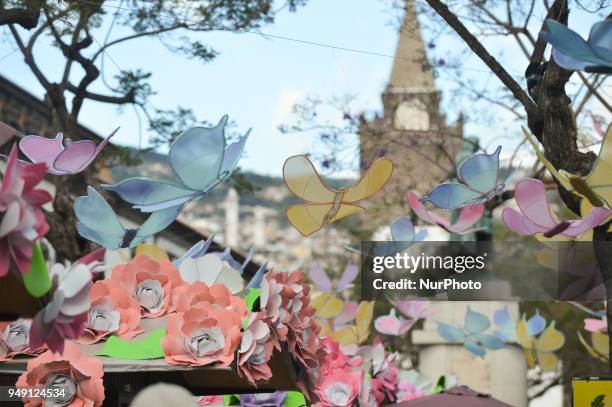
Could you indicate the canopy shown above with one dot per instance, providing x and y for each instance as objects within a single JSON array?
[{"x": 457, "y": 396}]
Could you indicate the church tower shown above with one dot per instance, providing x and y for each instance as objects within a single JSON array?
[{"x": 411, "y": 131}]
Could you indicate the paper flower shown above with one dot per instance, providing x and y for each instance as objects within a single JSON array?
[
  {"x": 204, "y": 335},
  {"x": 185, "y": 296},
  {"x": 335, "y": 358},
  {"x": 408, "y": 391},
  {"x": 572, "y": 52},
  {"x": 534, "y": 214},
  {"x": 22, "y": 221},
  {"x": 255, "y": 350},
  {"x": 276, "y": 399},
  {"x": 210, "y": 401},
  {"x": 151, "y": 283},
  {"x": 339, "y": 388},
  {"x": 15, "y": 340},
  {"x": 384, "y": 371},
  {"x": 113, "y": 312},
  {"x": 65, "y": 316},
  {"x": 79, "y": 377}
]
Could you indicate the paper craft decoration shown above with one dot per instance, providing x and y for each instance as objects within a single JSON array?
[
  {"x": 599, "y": 347},
  {"x": 148, "y": 347},
  {"x": 572, "y": 52},
  {"x": 99, "y": 223},
  {"x": 596, "y": 187},
  {"x": 200, "y": 159},
  {"x": 397, "y": 326},
  {"x": 210, "y": 269},
  {"x": 6, "y": 133},
  {"x": 358, "y": 333},
  {"x": 37, "y": 281},
  {"x": 535, "y": 216},
  {"x": 197, "y": 250},
  {"x": 542, "y": 348},
  {"x": 403, "y": 235},
  {"x": 322, "y": 204},
  {"x": 468, "y": 216},
  {"x": 62, "y": 157},
  {"x": 152, "y": 251},
  {"x": 479, "y": 176},
  {"x": 471, "y": 334},
  {"x": 327, "y": 304},
  {"x": 507, "y": 328}
]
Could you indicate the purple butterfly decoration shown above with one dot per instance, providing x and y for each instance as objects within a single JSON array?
[
  {"x": 320, "y": 278},
  {"x": 63, "y": 157}
]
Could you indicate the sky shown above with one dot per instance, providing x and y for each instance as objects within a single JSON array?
[{"x": 256, "y": 80}]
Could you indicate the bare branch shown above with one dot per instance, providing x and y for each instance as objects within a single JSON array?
[{"x": 25, "y": 17}]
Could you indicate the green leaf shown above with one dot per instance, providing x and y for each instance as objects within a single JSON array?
[
  {"x": 295, "y": 399},
  {"x": 148, "y": 347},
  {"x": 441, "y": 385},
  {"x": 37, "y": 281},
  {"x": 252, "y": 296},
  {"x": 231, "y": 400}
]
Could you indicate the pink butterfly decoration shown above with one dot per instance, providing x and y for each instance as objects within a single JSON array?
[
  {"x": 596, "y": 325},
  {"x": 467, "y": 217},
  {"x": 323, "y": 283},
  {"x": 62, "y": 157},
  {"x": 391, "y": 324},
  {"x": 534, "y": 214}
]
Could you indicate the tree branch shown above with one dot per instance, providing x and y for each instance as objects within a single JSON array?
[
  {"x": 29, "y": 58},
  {"x": 25, "y": 17},
  {"x": 118, "y": 100},
  {"x": 475, "y": 45}
]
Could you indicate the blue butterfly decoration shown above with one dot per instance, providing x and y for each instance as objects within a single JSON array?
[
  {"x": 99, "y": 223},
  {"x": 201, "y": 248},
  {"x": 479, "y": 176},
  {"x": 403, "y": 236},
  {"x": 572, "y": 52},
  {"x": 200, "y": 159},
  {"x": 507, "y": 327},
  {"x": 471, "y": 334}
]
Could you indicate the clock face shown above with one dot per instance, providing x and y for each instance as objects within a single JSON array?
[{"x": 411, "y": 115}]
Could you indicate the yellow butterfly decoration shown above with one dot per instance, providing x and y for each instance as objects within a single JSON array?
[
  {"x": 596, "y": 187},
  {"x": 327, "y": 305},
  {"x": 358, "y": 333},
  {"x": 599, "y": 347},
  {"x": 152, "y": 251},
  {"x": 542, "y": 348},
  {"x": 322, "y": 204}
]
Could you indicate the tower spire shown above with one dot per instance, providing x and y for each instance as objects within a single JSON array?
[{"x": 410, "y": 73}]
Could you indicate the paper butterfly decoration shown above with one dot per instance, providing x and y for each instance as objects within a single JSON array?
[
  {"x": 62, "y": 157},
  {"x": 322, "y": 204},
  {"x": 467, "y": 217},
  {"x": 507, "y": 328},
  {"x": 210, "y": 269},
  {"x": 359, "y": 332},
  {"x": 541, "y": 348},
  {"x": 471, "y": 334},
  {"x": 572, "y": 52},
  {"x": 403, "y": 235},
  {"x": 479, "y": 176},
  {"x": 397, "y": 326},
  {"x": 200, "y": 160},
  {"x": 535, "y": 216},
  {"x": 348, "y": 315},
  {"x": 99, "y": 223},
  {"x": 327, "y": 304},
  {"x": 596, "y": 187}
]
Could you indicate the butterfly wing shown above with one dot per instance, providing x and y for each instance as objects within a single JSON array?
[
  {"x": 452, "y": 195},
  {"x": 450, "y": 333},
  {"x": 97, "y": 220},
  {"x": 507, "y": 327},
  {"x": 43, "y": 150},
  {"x": 346, "y": 280},
  {"x": 475, "y": 322},
  {"x": 320, "y": 278},
  {"x": 197, "y": 250},
  {"x": 258, "y": 277},
  {"x": 530, "y": 195},
  {"x": 390, "y": 325},
  {"x": 303, "y": 180},
  {"x": 148, "y": 194},
  {"x": 307, "y": 218},
  {"x": 327, "y": 305},
  {"x": 571, "y": 51},
  {"x": 365, "y": 314},
  {"x": 156, "y": 222},
  {"x": 480, "y": 171},
  {"x": 232, "y": 155},
  {"x": 78, "y": 155},
  {"x": 467, "y": 217},
  {"x": 535, "y": 324},
  {"x": 371, "y": 181},
  {"x": 196, "y": 156},
  {"x": 419, "y": 209},
  {"x": 523, "y": 338},
  {"x": 599, "y": 179}
]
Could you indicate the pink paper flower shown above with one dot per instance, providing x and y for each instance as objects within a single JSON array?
[
  {"x": 150, "y": 282},
  {"x": 65, "y": 316},
  {"x": 184, "y": 296},
  {"x": 384, "y": 371},
  {"x": 113, "y": 312},
  {"x": 339, "y": 388},
  {"x": 78, "y": 376},
  {"x": 204, "y": 335},
  {"x": 210, "y": 401},
  {"x": 255, "y": 350},
  {"x": 408, "y": 391},
  {"x": 22, "y": 221},
  {"x": 334, "y": 357},
  {"x": 15, "y": 340}
]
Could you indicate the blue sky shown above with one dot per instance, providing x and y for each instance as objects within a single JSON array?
[{"x": 256, "y": 80}]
